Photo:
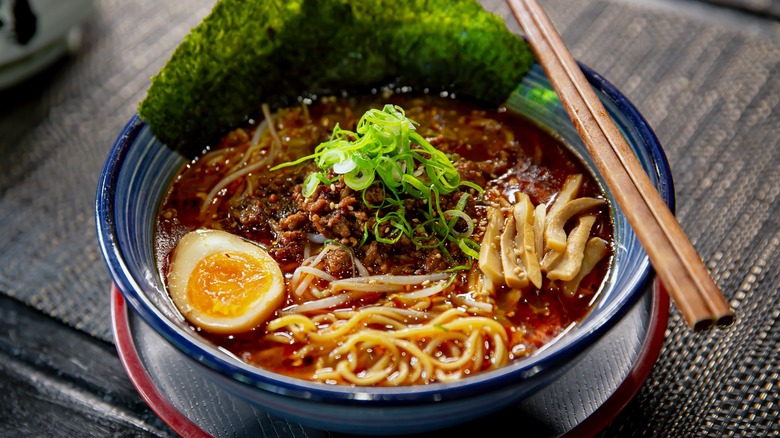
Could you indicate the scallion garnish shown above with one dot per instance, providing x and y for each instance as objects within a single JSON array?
[{"x": 387, "y": 150}]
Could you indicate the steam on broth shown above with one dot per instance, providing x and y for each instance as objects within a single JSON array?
[{"x": 419, "y": 239}]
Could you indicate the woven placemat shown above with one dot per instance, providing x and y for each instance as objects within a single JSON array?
[{"x": 710, "y": 91}]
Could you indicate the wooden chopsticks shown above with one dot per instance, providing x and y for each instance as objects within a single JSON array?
[{"x": 672, "y": 255}]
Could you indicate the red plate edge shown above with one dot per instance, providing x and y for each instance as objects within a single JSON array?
[
  {"x": 141, "y": 380},
  {"x": 627, "y": 390},
  {"x": 591, "y": 426}
]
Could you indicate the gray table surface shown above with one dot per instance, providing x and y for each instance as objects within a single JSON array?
[{"x": 706, "y": 75}]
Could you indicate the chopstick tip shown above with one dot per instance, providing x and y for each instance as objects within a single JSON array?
[{"x": 721, "y": 321}]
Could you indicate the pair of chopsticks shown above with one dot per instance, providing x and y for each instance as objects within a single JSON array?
[{"x": 672, "y": 255}]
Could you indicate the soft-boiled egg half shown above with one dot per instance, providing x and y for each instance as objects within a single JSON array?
[{"x": 223, "y": 283}]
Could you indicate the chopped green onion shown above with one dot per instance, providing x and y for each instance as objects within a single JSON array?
[
  {"x": 387, "y": 150},
  {"x": 441, "y": 327}
]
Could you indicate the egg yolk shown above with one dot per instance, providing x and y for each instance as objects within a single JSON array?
[{"x": 227, "y": 283}]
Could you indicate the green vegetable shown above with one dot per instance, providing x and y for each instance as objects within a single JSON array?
[
  {"x": 247, "y": 52},
  {"x": 386, "y": 150}
]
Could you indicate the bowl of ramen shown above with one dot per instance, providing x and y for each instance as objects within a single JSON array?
[
  {"x": 387, "y": 261},
  {"x": 386, "y": 293}
]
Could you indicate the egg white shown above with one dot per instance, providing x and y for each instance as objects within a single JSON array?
[{"x": 197, "y": 245}]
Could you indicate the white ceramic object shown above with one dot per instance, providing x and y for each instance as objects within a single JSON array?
[{"x": 35, "y": 33}]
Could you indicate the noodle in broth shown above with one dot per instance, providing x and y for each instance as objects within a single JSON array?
[{"x": 377, "y": 290}]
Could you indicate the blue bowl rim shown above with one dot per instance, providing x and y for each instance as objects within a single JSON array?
[{"x": 203, "y": 353}]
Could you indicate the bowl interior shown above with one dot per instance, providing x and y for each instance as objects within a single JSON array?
[{"x": 139, "y": 169}]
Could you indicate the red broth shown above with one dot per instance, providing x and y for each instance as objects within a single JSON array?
[{"x": 491, "y": 147}]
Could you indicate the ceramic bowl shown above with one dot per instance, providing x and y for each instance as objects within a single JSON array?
[{"x": 137, "y": 174}]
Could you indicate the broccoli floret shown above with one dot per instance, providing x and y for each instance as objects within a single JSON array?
[{"x": 247, "y": 52}]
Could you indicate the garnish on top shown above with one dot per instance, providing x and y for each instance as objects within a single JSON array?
[
  {"x": 250, "y": 51},
  {"x": 386, "y": 150}
]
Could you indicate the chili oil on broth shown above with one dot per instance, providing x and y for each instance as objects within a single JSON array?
[{"x": 397, "y": 336}]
